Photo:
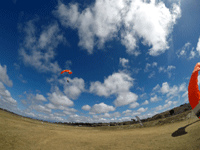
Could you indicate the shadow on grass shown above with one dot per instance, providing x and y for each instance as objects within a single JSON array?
[{"x": 181, "y": 130}]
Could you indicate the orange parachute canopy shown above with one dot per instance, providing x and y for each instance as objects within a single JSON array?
[
  {"x": 69, "y": 71},
  {"x": 193, "y": 89}
]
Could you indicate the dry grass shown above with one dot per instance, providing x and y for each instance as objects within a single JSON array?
[{"x": 18, "y": 133}]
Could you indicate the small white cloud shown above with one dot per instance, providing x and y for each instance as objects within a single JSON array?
[
  {"x": 86, "y": 107},
  {"x": 134, "y": 105},
  {"x": 4, "y": 77},
  {"x": 127, "y": 111},
  {"x": 40, "y": 97},
  {"x": 41, "y": 108},
  {"x": 125, "y": 99},
  {"x": 140, "y": 110},
  {"x": 185, "y": 94},
  {"x": 146, "y": 102},
  {"x": 5, "y": 96},
  {"x": 154, "y": 99},
  {"x": 168, "y": 70},
  {"x": 198, "y": 46},
  {"x": 186, "y": 51},
  {"x": 101, "y": 108},
  {"x": 123, "y": 62},
  {"x": 152, "y": 74},
  {"x": 182, "y": 87},
  {"x": 156, "y": 88},
  {"x": 160, "y": 107},
  {"x": 165, "y": 88}
]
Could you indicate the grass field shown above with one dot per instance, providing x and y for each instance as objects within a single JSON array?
[{"x": 18, "y": 133}]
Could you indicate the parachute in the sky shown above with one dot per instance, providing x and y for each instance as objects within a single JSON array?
[
  {"x": 139, "y": 120},
  {"x": 69, "y": 71}
]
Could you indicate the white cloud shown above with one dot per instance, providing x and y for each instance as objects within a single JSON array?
[
  {"x": 5, "y": 96},
  {"x": 153, "y": 22},
  {"x": 154, "y": 99},
  {"x": 123, "y": 61},
  {"x": 182, "y": 87},
  {"x": 73, "y": 88},
  {"x": 152, "y": 74},
  {"x": 40, "y": 52},
  {"x": 86, "y": 107},
  {"x": 115, "y": 84},
  {"x": 58, "y": 99},
  {"x": 147, "y": 66},
  {"x": 146, "y": 102},
  {"x": 168, "y": 70},
  {"x": 185, "y": 94},
  {"x": 4, "y": 77},
  {"x": 156, "y": 88},
  {"x": 134, "y": 105},
  {"x": 127, "y": 111},
  {"x": 41, "y": 108},
  {"x": 140, "y": 110},
  {"x": 165, "y": 88},
  {"x": 125, "y": 99},
  {"x": 198, "y": 46},
  {"x": 104, "y": 19},
  {"x": 160, "y": 107},
  {"x": 143, "y": 96},
  {"x": 186, "y": 51},
  {"x": 101, "y": 108},
  {"x": 40, "y": 97}
]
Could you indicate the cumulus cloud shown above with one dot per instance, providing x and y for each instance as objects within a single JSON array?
[
  {"x": 74, "y": 88},
  {"x": 58, "y": 99},
  {"x": 123, "y": 62},
  {"x": 86, "y": 107},
  {"x": 170, "y": 91},
  {"x": 165, "y": 88},
  {"x": 114, "y": 84},
  {"x": 41, "y": 108},
  {"x": 40, "y": 97},
  {"x": 154, "y": 99},
  {"x": 5, "y": 96},
  {"x": 125, "y": 99},
  {"x": 101, "y": 108},
  {"x": 4, "y": 77},
  {"x": 153, "y": 22},
  {"x": 127, "y": 111},
  {"x": 145, "y": 102},
  {"x": 141, "y": 110},
  {"x": 39, "y": 52},
  {"x": 134, "y": 105}
]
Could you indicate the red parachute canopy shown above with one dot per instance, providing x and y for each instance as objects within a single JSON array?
[{"x": 69, "y": 71}]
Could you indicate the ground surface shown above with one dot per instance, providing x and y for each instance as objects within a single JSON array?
[{"x": 18, "y": 133}]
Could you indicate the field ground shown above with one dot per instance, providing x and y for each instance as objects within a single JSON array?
[{"x": 18, "y": 133}]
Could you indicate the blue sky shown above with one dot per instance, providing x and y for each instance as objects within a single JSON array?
[{"x": 128, "y": 58}]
